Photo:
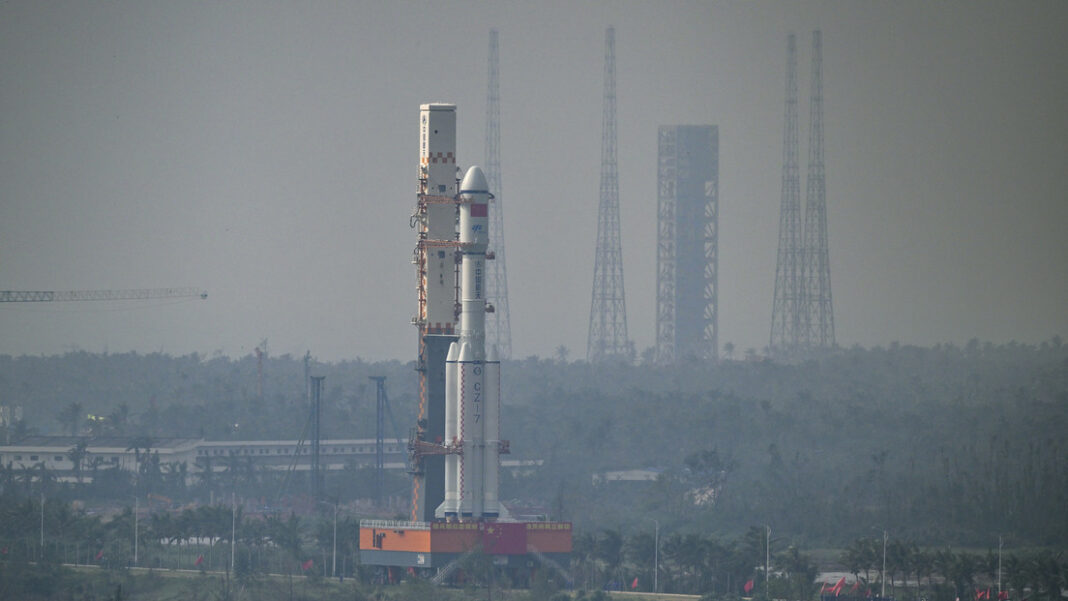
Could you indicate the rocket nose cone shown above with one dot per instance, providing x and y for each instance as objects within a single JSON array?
[
  {"x": 466, "y": 353},
  {"x": 474, "y": 182},
  {"x": 454, "y": 352}
]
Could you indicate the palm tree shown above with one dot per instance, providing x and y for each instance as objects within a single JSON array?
[
  {"x": 77, "y": 454},
  {"x": 583, "y": 554},
  {"x": 799, "y": 570},
  {"x": 1046, "y": 573},
  {"x": 138, "y": 444},
  {"x": 860, "y": 556},
  {"x": 922, "y": 566},
  {"x": 609, "y": 549},
  {"x": 286, "y": 534},
  {"x": 1015, "y": 575},
  {"x": 174, "y": 476},
  {"x": 69, "y": 417},
  {"x": 640, "y": 550},
  {"x": 118, "y": 419},
  {"x": 897, "y": 561}
]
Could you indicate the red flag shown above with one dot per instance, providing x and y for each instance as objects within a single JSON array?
[
  {"x": 635, "y": 583},
  {"x": 1003, "y": 596},
  {"x": 838, "y": 586},
  {"x": 99, "y": 554},
  {"x": 306, "y": 565},
  {"x": 823, "y": 587},
  {"x": 200, "y": 560},
  {"x": 856, "y": 585},
  {"x": 748, "y": 586}
]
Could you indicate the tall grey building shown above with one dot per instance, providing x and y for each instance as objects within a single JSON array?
[{"x": 687, "y": 256}]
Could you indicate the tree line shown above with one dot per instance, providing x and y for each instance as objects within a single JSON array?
[{"x": 942, "y": 445}]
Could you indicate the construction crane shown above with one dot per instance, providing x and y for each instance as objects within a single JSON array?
[{"x": 50, "y": 296}]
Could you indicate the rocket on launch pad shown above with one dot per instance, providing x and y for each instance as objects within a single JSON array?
[
  {"x": 472, "y": 377},
  {"x": 456, "y": 451}
]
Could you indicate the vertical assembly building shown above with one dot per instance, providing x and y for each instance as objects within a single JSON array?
[{"x": 687, "y": 257}]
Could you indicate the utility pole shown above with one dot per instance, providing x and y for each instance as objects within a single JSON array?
[
  {"x": 42, "y": 523},
  {"x": 656, "y": 557},
  {"x": 767, "y": 558},
  {"x": 136, "y": 508},
  {"x": 999, "y": 567},
  {"x": 233, "y": 527},
  {"x": 882, "y": 577},
  {"x": 317, "y": 391}
]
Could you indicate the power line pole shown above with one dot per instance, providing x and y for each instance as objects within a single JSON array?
[
  {"x": 818, "y": 310},
  {"x": 608, "y": 309},
  {"x": 786, "y": 313},
  {"x": 498, "y": 324},
  {"x": 317, "y": 393}
]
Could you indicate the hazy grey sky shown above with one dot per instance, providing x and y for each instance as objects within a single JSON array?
[{"x": 267, "y": 152}]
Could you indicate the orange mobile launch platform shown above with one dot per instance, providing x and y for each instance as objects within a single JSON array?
[{"x": 436, "y": 544}]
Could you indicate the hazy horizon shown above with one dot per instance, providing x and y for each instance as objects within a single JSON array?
[{"x": 267, "y": 154}]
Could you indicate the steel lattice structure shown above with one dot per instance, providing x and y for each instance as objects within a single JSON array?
[
  {"x": 687, "y": 242},
  {"x": 787, "y": 326},
  {"x": 608, "y": 309},
  {"x": 818, "y": 310},
  {"x": 498, "y": 324}
]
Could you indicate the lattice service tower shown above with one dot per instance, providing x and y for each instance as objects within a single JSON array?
[
  {"x": 498, "y": 324},
  {"x": 687, "y": 257},
  {"x": 608, "y": 309},
  {"x": 818, "y": 310},
  {"x": 788, "y": 306}
]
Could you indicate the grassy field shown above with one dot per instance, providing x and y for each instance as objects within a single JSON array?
[{"x": 28, "y": 582}]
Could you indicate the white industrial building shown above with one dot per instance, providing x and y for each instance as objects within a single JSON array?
[{"x": 55, "y": 453}]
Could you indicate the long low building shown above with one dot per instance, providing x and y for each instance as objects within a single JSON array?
[{"x": 57, "y": 453}]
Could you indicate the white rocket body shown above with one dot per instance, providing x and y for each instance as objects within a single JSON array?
[
  {"x": 491, "y": 461},
  {"x": 450, "y": 507},
  {"x": 472, "y": 401}
]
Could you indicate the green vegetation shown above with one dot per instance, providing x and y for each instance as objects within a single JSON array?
[{"x": 944, "y": 448}]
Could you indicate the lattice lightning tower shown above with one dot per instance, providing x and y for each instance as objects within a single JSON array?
[
  {"x": 819, "y": 311},
  {"x": 498, "y": 325},
  {"x": 787, "y": 307},
  {"x": 608, "y": 309}
]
